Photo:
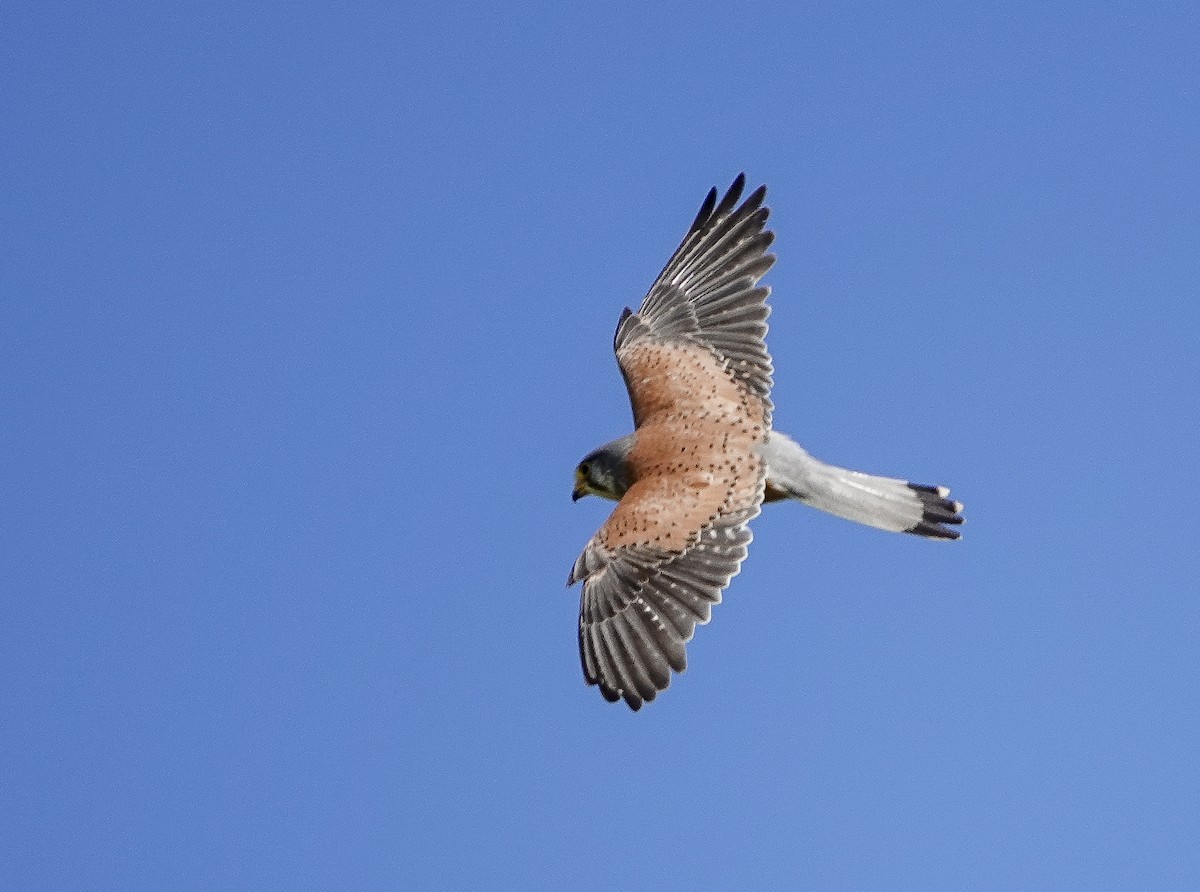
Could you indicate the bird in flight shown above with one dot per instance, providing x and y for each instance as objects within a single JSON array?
[{"x": 703, "y": 458}]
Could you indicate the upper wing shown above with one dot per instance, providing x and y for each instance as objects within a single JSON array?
[
  {"x": 706, "y": 296},
  {"x": 699, "y": 379}
]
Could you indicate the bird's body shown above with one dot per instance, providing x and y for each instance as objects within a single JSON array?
[
  {"x": 703, "y": 458},
  {"x": 884, "y": 502}
]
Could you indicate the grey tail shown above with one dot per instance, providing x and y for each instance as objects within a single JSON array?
[{"x": 884, "y": 502}]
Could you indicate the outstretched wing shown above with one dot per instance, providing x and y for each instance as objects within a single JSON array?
[
  {"x": 641, "y": 603},
  {"x": 699, "y": 379},
  {"x": 707, "y": 296}
]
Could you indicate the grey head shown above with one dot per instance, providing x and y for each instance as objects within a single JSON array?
[{"x": 604, "y": 472}]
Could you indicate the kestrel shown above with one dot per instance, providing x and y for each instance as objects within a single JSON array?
[{"x": 703, "y": 458}]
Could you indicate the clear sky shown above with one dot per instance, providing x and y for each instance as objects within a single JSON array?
[{"x": 305, "y": 320}]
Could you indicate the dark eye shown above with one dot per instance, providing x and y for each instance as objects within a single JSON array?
[{"x": 585, "y": 470}]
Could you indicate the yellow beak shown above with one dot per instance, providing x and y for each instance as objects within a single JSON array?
[{"x": 580, "y": 489}]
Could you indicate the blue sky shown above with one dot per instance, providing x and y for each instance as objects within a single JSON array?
[{"x": 306, "y": 315}]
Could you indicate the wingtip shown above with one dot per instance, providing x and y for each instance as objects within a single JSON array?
[
  {"x": 730, "y": 200},
  {"x": 706, "y": 209}
]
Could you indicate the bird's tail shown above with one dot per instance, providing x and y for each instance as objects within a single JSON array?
[{"x": 883, "y": 502}]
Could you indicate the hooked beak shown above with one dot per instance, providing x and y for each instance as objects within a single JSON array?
[
  {"x": 577, "y": 494},
  {"x": 580, "y": 489}
]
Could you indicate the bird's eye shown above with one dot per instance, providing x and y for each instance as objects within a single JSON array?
[{"x": 584, "y": 469}]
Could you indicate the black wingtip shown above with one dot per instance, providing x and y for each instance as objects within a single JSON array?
[
  {"x": 706, "y": 209},
  {"x": 710, "y": 210},
  {"x": 729, "y": 202}
]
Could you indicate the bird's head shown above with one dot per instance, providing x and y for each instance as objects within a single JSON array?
[{"x": 604, "y": 472}]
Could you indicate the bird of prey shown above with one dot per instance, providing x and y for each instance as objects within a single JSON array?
[{"x": 703, "y": 458}]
